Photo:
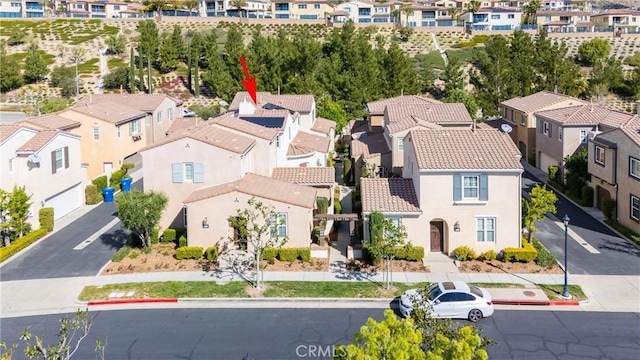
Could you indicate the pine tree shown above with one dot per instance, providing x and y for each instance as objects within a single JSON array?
[
  {"x": 140, "y": 70},
  {"x": 132, "y": 72},
  {"x": 35, "y": 68},
  {"x": 10, "y": 74}
]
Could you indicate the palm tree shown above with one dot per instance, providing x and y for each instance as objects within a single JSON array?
[
  {"x": 530, "y": 11},
  {"x": 175, "y": 4},
  {"x": 157, "y": 6},
  {"x": 473, "y": 6},
  {"x": 407, "y": 10},
  {"x": 454, "y": 13},
  {"x": 395, "y": 14},
  {"x": 239, "y": 4},
  {"x": 190, "y": 5}
]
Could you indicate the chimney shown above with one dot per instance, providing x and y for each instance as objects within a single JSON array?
[{"x": 246, "y": 107}]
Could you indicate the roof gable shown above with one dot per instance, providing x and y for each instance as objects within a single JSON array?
[
  {"x": 310, "y": 176},
  {"x": 111, "y": 112},
  {"x": 377, "y": 107},
  {"x": 443, "y": 113},
  {"x": 538, "y": 101},
  {"x": 42, "y": 139},
  {"x": 266, "y": 100},
  {"x": 389, "y": 195}
]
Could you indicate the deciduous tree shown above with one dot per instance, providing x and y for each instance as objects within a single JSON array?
[
  {"x": 393, "y": 236},
  {"x": 116, "y": 44},
  {"x": 594, "y": 50},
  {"x": 140, "y": 212},
  {"x": 464, "y": 97},
  {"x": 543, "y": 201},
  {"x": 35, "y": 68},
  {"x": 17, "y": 209},
  {"x": 117, "y": 78},
  {"x": 10, "y": 71},
  {"x": 333, "y": 111}
]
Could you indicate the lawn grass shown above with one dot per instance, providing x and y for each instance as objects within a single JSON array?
[
  {"x": 553, "y": 292},
  {"x": 115, "y": 63},
  {"x": 19, "y": 57},
  {"x": 89, "y": 67},
  {"x": 498, "y": 285}
]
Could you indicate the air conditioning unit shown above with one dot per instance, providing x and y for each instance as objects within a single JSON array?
[{"x": 135, "y": 136}]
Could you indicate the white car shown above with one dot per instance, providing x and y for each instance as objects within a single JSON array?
[
  {"x": 451, "y": 299},
  {"x": 187, "y": 113}
]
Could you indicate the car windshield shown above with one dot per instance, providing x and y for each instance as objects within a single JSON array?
[
  {"x": 434, "y": 292},
  {"x": 475, "y": 291}
]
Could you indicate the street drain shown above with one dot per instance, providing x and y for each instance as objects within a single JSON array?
[{"x": 529, "y": 293}]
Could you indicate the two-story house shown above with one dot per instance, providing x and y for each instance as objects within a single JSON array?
[
  {"x": 519, "y": 113},
  {"x": 375, "y": 109},
  {"x": 464, "y": 186},
  {"x": 622, "y": 20},
  {"x": 358, "y": 11},
  {"x": 564, "y": 21},
  {"x": 494, "y": 18},
  {"x": 47, "y": 163},
  {"x": 614, "y": 165},
  {"x": 563, "y": 131}
]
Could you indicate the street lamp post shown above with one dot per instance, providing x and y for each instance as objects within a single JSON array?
[{"x": 565, "y": 291}]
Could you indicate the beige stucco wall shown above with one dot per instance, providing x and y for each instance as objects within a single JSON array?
[
  {"x": 110, "y": 147},
  {"x": 376, "y": 120},
  {"x": 604, "y": 172},
  {"x": 219, "y": 165},
  {"x": 437, "y": 203},
  {"x": 168, "y": 112},
  {"x": 217, "y": 210}
]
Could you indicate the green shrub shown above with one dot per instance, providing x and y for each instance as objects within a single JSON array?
[
  {"x": 526, "y": 253},
  {"x": 480, "y": 39},
  {"x": 587, "y": 196},
  {"x": 121, "y": 254},
  {"x": 488, "y": 256},
  {"x": 323, "y": 204},
  {"x": 269, "y": 254},
  {"x": 46, "y": 218},
  {"x": 553, "y": 172},
  {"x": 182, "y": 241},
  {"x": 315, "y": 234},
  {"x": 133, "y": 255},
  {"x": 146, "y": 250},
  {"x": 155, "y": 235},
  {"x": 370, "y": 258},
  {"x": 189, "y": 252},
  {"x": 92, "y": 195},
  {"x": 21, "y": 243},
  {"x": 100, "y": 182},
  {"x": 337, "y": 206},
  {"x": 211, "y": 253},
  {"x": 288, "y": 254},
  {"x": 414, "y": 253},
  {"x": 116, "y": 176},
  {"x": 169, "y": 235},
  {"x": 464, "y": 253},
  {"x": 609, "y": 208},
  {"x": 464, "y": 44},
  {"x": 304, "y": 254},
  {"x": 544, "y": 257},
  {"x": 346, "y": 169}
]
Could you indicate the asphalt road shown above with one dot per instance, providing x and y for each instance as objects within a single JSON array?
[
  {"x": 54, "y": 257},
  {"x": 616, "y": 255},
  {"x": 285, "y": 334}
]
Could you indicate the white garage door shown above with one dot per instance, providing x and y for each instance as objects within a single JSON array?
[{"x": 64, "y": 202}]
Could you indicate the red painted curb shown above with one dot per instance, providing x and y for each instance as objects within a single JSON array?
[
  {"x": 536, "y": 302},
  {"x": 564, "y": 303},
  {"x": 131, "y": 301}
]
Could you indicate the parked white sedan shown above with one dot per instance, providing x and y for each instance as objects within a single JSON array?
[{"x": 451, "y": 299}]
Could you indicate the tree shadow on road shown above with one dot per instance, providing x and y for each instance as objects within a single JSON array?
[{"x": 116, "y": 239}]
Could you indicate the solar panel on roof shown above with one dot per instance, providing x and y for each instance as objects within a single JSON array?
[{"x": 266, "y": 121}]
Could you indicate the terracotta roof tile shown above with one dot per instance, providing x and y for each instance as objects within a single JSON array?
[
  {"x": 299, "y": 103},
  {"x": 377, "y": 107},
  {"x": 389, "y": 195},
  {"x": 230, "y": 121},
  {"x": 369, "y": 145},
  {"x": 410, "y": 122},
  {"x": 181, "y": 124},
  {"x": 537, "y": 101},
  {"x": 109, "y": 111},
  {"x": 586, "y": 115},
  {"x": 464, "y": 150},
  {"x": 6, "y": 130},
  {"x": 358, "y": 126},
  {"x": 53, "y": 121},
  {"x": 323, "y": 125},
  {"x": 305, "y": 143},
  {"x": 632, "y": 129},
  {"x": 140, "y": 102},
  {"x": 261, "y": 187},
  {"x": 207, "y": 133},
  {"x": 37, "y": 142},
  {"x": 437, "y": 113},
  {"x": 310, "y": 176}
]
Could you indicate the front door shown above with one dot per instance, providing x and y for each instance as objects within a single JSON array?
[
  {"x": 436, "y": 236},
  {"x": 601, "y": 194}
]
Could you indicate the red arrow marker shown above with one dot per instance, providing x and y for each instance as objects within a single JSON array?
[{"x": 249, "y": 83}]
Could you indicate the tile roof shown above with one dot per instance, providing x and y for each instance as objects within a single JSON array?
[
  {"x": 6, "y": 130},
  {"x": 53, "y": 121},
  {"x": 212, "y": 135},
  {"x": 261, "y": 187},
  {"x": 181, "y": 124},
  {"x": 410, "y": 122},
  {"x": 537, "y": 101},
  {"x": 377, "y": 107},
  {"x": 305, "y": 143},
  {"x": 369, "y": 145},
  {"x": 323, "y": 125},
  {"x": 451, "y": 113},
  {"x": 464, "y": 150},
  {"x": 358, "y": 126},
  {"x": 42, "y": 138},
  {"x": 109, "y": 111},
  {"x": 140, "y": 101},
  {"x": 230, "y": 121},
  {"x": 586, "y": 115},
  {"x": 632, "y": 129},
  {"x": 389, "y": 195},
  {"x": 310, "y": 176},
  {"x": 299, "y": 103}
]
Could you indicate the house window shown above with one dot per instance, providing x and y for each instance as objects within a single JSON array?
[
  {"x": 401, "y": 144},
  {"x": 96, "y": 133},
  {"x": 116, "y": 7},
  {"x": 545, "y": 128},
  {"x": 11, "y": 165},
  {"x": 523, "y": 119},
  {"x": 134, "y": 127},
  {"x": 278, "y": 141},
  {"x": 159, "y": 116},
  {"x": 118, "y": 130},
  {"x": 184, "y": 217},
  {"x": 486, "y": 230},
  {"x": 599, "y": 158},
  {"x": 635, "y": 208},
  {"x": 583, "y": 136},
  {"x": 59, "y": 160},
  {"x": 470, "y": 186},
  {"x": 560, "y": 134},
  {"x": 170, "y": 113},
  {"x": 634, "y": 167},
  {"x": 278, "y": 225},
  {"x": 316, "y": 6},
  {"x": 188, "y": 171},
  {"x": 495, "y": 17},
  {"x": 511, "y": 16},
  {"x": 302, "y": 6}
]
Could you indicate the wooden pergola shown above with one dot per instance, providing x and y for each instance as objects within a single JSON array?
[{"x": 322, "y": 219}]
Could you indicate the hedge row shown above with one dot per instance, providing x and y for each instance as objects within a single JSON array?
[
  {"x": 526, "y": 253},
  {"x": 189, "y": 252},
  {"x": 287, "y": 254},
  {"x": 21, "y": 243},
  {"x": 46, "y": 218},
  {"x": 407, "y": 252}
]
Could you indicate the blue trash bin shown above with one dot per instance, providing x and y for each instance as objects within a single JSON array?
[
  {"x": 108, "y": 194},
  {"x": 125, "y": 184}
]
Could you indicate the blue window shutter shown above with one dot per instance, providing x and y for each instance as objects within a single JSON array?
[
  {"x": 457, "y": 188},
  {"x": 176, "y": 172},
  {"x": 198, "y": 173},
  {"x": 484, "y": 188}
]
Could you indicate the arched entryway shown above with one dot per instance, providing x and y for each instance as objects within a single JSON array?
[{"x": 437, "y": 235}]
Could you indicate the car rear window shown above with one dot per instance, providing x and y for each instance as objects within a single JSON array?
[{"x": 475, "y": 291}]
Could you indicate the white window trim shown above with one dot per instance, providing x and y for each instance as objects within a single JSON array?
[
  {"x": 184, "y": 173},
  {"x": 401, "y": 144},
  {"x": 633, "y": 160},
  {"x": 278, "y": 225},
  {"x": 631, "y": 207},
  {"x": 560, "y": 134},
  {"x": 583, "y": 136},
  {"x": 545, "y": 127},
  {"x": 95, "y": 135},
  {"x": 484, "y": 236},
  {"x": 462, "y": 187},
  {"x": 61, "y": 150},
  {"x": 599, "y": 155}
]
